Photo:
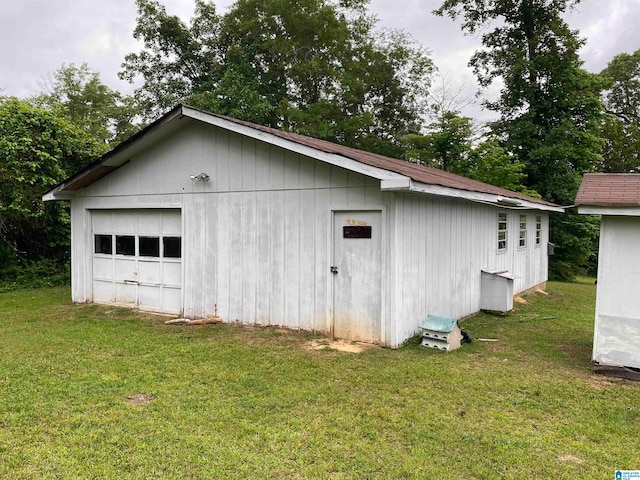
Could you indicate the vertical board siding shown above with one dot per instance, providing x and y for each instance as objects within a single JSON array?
[
  {"x": 257, "y": 235},
  {"x": 250, "y": 281},
  {"x": 292, "y": 258},
  {"x": 307, "y": 258},
  {"x": 263, "y": 257},
  {"x": 442, "y": 247}
]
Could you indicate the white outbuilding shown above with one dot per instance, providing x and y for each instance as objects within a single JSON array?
[
  {"x": 616, "y": 341},
  {"x": 200, "y": 213}
]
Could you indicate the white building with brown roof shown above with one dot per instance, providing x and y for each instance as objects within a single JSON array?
[
  {"x": 616, "y": 197},
  {"x": 200, "y": 213}
]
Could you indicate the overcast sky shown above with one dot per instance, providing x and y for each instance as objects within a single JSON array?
[{"x": 38, "y": 36}]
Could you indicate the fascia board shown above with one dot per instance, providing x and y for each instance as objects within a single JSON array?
[
  {"x": 621, "y": 211},
  {"x": 472, "y": 196},
  {"x": 56, "y": 195}
]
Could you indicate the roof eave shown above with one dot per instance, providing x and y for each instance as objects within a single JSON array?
[
  {"x": 625, "y": 211},
  {"x": 501, "y": 201},
  {"x": 56, "y": 194},
  {"x": 110, "y": 161}
]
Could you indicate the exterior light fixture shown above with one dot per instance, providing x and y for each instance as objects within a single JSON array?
[{"x": 201, "y": 177}]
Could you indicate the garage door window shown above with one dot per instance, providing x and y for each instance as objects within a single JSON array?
[
  {"x": 172, "y": 247},
  {"x": 149, "y": 246},
  {"x": 104, "y": 244},
  {"x": 125, "y": 245}
]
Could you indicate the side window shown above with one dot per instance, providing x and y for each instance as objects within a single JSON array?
[
  {"x": 149, "y": 246},
  {"x": 538, "y": 230},
  {"x": 103, "y": 244},
  {"x": 172, "y": 247},
  {"x": 125, "y": 245},
  {"x": 502, "y": 231},
  {"x": 522, "y": 239}
]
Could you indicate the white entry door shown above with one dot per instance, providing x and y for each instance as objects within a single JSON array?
[
  {"x": 357, "y": 275},
  {"x": 137, "y": 258}
]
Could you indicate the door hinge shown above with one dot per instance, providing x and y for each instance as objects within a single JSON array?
[{"x": 334, "y": 269}]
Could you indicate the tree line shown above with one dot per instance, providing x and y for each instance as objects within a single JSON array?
[{"x": 323, "y": 68}]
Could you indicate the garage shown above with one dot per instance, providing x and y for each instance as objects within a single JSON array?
[
  {"x": 137, "y": 258},
  {"x": 201, "y": 215}
]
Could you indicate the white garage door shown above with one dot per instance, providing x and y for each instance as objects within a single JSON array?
[{"x": 137, "y": 258}]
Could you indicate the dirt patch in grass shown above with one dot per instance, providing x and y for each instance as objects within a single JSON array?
[
  {"x": 520, "y": 300},
  {"x": 339, "y": 345},
  {"x": 140, "y": 398},
  {"x": 570, "y": 459},
  {"x": 600, "y": 382}
]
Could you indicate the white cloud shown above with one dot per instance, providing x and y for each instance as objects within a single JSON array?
[{"x": 97, "y": 44}]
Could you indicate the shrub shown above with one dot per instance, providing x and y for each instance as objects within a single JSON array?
[{"x": 34, "y": 274}]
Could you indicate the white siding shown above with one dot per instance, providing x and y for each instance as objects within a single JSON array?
[
  {"x": 257, "y": 236},
  {"x": 442, "y": 246},
  {"x": 617, "y": 323}
]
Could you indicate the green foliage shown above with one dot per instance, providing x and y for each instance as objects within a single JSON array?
[
  {"x": 623, "y": 97},
  {"x": 315, "y": 67},
  {"x": 446, "y": 146},
  {"x": 78, "y": 95},
  {"x": 37, "y": 150},
  {"x": 35, "y": 274},
  {"x": 489, "y": 162},
  {"x": 621, "y": 152},
  {"x": 621, "y": 128},
  {"x": 576, "y": 244},
  {"x": 176, "y": 60},
  {"x": 558, "y": 144},
  {"x": 550, "y": 107},
  {"x": 450, "y": 145}
]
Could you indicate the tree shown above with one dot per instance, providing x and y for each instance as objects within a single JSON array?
[
  {"x": 621, "y": 128},
  {"x": 177, "y": 60},
  {"x": 549, "y": 106},
  {"x": 37, "y": 151},
  {"x": 316, "y": 67},
  {"x": 489, "y": 162},
  {"x": 446, "y": 145},
  {"x": 621, "y": 152},
  {"x": 622, "y": 98},
  {"x": 451, "y": 144},
  {"x": 77, "y": 94}
]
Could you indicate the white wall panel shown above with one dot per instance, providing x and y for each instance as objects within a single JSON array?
[
  {"x": 442, "y": 247},
  {"x": 617, "y": 322}
]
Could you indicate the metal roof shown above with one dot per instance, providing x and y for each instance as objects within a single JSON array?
[{"x": 170, "y": 121}]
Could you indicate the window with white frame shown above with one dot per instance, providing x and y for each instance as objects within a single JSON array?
[
  {"x": 502, "y": 231},
  {"x": 538, "y": 230},
  {"x": 522, "y": 238}
]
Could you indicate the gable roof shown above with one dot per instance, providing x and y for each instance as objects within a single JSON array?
[
  {"x": 395, "y": 174},
  {"x": 609, "y": 190}
]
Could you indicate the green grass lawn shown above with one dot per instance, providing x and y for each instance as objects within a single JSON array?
[{"x": 230, "y": 402}]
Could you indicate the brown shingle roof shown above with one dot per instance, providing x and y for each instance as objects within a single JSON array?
[{"x": 609, "y": 190}]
